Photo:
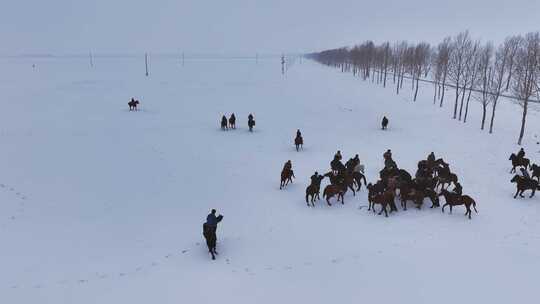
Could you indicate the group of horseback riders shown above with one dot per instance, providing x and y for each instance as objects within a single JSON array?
[
  {"x": 231, "y": 122},
  {"x": 431, "y": 174},
  {"x": 524, "y": 181}
]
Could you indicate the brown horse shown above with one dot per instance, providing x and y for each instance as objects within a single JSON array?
[
  {"x": 454, "y": 199},
  {"x": 384, "y": 199},
  {"x": 313, "y": 190},
  {"x": 518, "y": 162},
  {"x": 298, "y": 142},
  {"x": 286, "y": 178},
  {"x": 332, "y": 190},
  {"x": 523, "y": 184},
  {"x": 232, "y": 122}
]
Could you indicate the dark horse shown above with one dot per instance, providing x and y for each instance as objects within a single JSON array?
[
  {"x": 209, "y": 233},
  {"x": 454, "y": 199},
  {"x": 133, "y": 104},
  {"x": 523, "y": 184},
  {"x": 384, "y": 199},
  {"x": 286, "y": 178},
  {"x": 518, "y": 162},
  {"x": 298, "y": 142},
  {"x": 313, "y": 190},
  {"x": 418, "y": 196}
]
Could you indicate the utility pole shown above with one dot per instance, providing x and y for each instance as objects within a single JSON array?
[
  {"x": 282, "y": 64},
  {"x": 146, "y": 63},
  {"x": 91, "y": 61}
]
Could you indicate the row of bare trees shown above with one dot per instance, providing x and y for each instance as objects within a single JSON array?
[{"x": 460, "y": 65}]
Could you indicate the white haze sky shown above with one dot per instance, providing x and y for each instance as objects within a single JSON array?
[{"x": 243, "y": 26}]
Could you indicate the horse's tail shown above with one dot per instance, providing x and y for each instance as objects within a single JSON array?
[
  {"x": 474, "y": 205},
  {"x": 307, "y": 193}
]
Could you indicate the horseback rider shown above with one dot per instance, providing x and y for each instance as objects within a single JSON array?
[
  {"x": 298, "y": 133},
  {"x": 315, "y": 178},
  {"x": 209, "y": 231},
  {"x": 458, "y": 189},
  {"x": 223, "y": 122},
  {"x": 431, "y": 158},
  {"x": 387, "y": 154},
  {"x": 520, "y": 154},
  {"x": 251, "y": 122},
  {"x": 384, "y": 122},
  {"x": 338, "y": 155},
  {"x": 232, "y": 120},
  {"x": 358, "y": 167},
  {"x": 287, "y": 166}
]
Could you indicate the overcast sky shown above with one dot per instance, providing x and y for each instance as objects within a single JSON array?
[{"x": 243, "y": 26}]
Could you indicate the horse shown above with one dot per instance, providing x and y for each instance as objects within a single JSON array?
[
  {"x": 209, "y": 234},
  {"x": 331, "y": 190},
  {"x": 518, "y": 162},
  {"x": 232, "y": 122},
  {"x": 313, "y": 190},
  {"x": 384, "y": 199},
  {"x": 523, "y": 184},
  {"x": 298, "y": 142},
  {"x": 133, "y": 105},
  {"x": 286, "y": 178},
  {"x": 251, "y": 124},
  {"x": 418, "y": 196},
  {"x": 454, "y": 199},
  {"x": 535, "y": 171}
]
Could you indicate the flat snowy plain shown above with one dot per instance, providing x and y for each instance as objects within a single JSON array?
[{"x": 103, "y": 205}]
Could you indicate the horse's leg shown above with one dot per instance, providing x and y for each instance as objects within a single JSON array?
[
  {"x": 533, "y": 191},
  {"x": 517, "y": 191},
  {"x": 443, "y": 207},
  {"x": 342, "y": 198},
  {"x": 450, "y": 208},
  {"x": 521, "y": 193}
]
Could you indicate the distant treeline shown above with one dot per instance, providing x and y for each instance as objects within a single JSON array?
[{"x": 460, "y": 64}]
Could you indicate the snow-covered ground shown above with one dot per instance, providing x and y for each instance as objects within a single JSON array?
[{"x": 103, "y": 205}]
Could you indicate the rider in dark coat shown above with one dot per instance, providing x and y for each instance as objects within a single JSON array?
[
  {"x": 232, "y": 120},
  {"x": 314, "y": 178},
  {"x": 338, "y": 155},
  {"x": 223, "y": 122},
  {"x": 287, "y": 166},
  {"x": 384, "y": 123},
  {"x": 521, "y": 154},
  {"x": 458, "y": 189},
  {"x": 298, "y": 133}
]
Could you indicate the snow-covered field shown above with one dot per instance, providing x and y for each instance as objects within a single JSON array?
[{"x": 103, "y": 205}]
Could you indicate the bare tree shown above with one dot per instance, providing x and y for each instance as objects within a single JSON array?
[
  {"x": 496, "y": 80},
  {"x": 512, "y": 44},
  {"x": 485, "y": 75},
  {"x": 421, "y": 63},
  {"x": 471, "y": 76},
  {"x": 461, "y": 45},
  {"x": 443, "y": 59},
  {"x": 526, "y": 72}
]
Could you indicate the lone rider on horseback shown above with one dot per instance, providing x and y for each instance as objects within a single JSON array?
[
  {"x": 209, "y": 231},
  {"x": 251, "y": 122},
  {"x": 315, "y": 178}
]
